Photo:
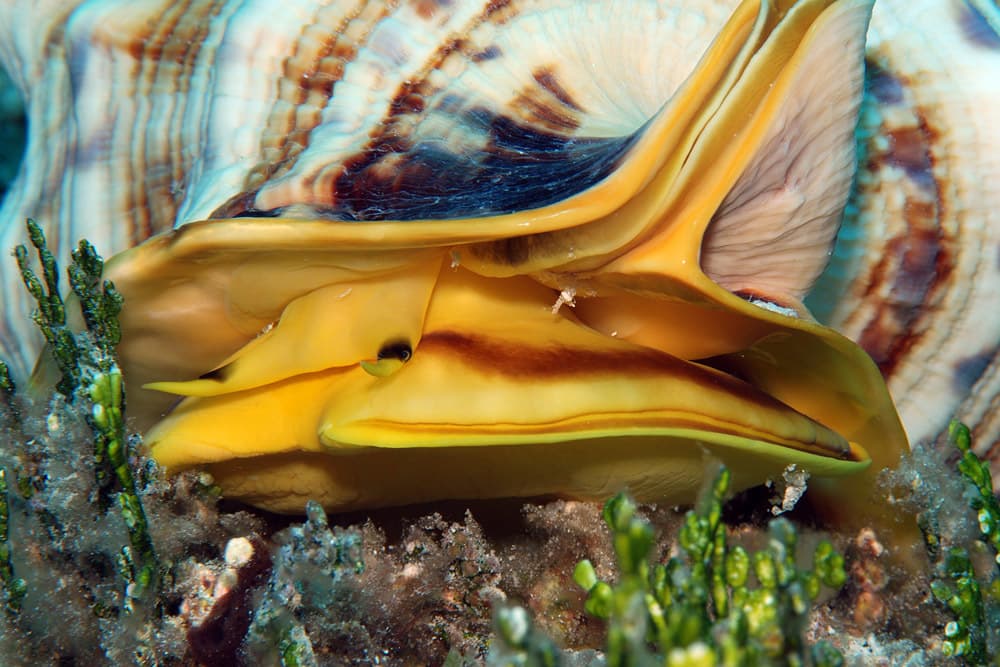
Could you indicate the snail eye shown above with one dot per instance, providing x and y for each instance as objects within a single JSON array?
[
  {"x": 396, "y": 350},
  {"x": 391, "y": 358}
]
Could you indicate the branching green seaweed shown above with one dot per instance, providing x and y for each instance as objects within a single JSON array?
[
  {"x": 699, "y": 608},
  {"x": 90, "y": 372},
  {"x": 983, "y": 497},
  {"x": 7, "y": 389},
  {"x": 975, "y": 607}
]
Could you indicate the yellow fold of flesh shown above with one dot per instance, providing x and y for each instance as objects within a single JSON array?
[{"x": 497, "y": 370}]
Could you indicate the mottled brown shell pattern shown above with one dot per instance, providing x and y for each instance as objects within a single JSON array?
[
  {"x": 916, "y": 274},
  {"x": 346, "y": 110}
]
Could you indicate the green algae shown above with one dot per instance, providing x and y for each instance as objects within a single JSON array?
[
  {"x": 972, "y": 598},
  {"x": 90, "y": 372},
  {"x": 701, "y": 607}
]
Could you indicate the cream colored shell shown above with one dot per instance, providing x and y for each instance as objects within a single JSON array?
[
  {"x": 266, "y": 131},
  {"x": 916, "y": 274}
]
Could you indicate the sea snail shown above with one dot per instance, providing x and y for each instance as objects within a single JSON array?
[{"x": 396, "y": 252}]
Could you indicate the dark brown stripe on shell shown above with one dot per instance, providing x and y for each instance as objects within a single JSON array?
[
  {"x": 391, "y": 177},
  {"x": 499, "y": 12},
  {"x": 546, "y": 78},
  {"x": 540, "y": 106},
  {"x": 148, "y": 50},
  {"x": 287, "y": 135},
  {"x": 917, "y": 261},
  {"x": 968, "y": 370},
  {"x": 390, "y": 138},
  {"x": 489, "y": 53},
  {"x": 166, "y": 56}
]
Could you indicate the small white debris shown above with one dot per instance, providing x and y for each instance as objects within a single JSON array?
[
  {"x": 567, "y": 296},
  {"x": 795, "y": 480},
  {"x": 868, "y": 543},
  {"x": 456, "y": 259},
  {"x": 774, "y": 308},
  {"x": 239, "y": 551}
]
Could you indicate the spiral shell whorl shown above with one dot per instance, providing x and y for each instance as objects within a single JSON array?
[{"x": 916, "y": 274}]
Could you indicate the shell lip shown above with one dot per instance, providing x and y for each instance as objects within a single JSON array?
[{"x": 822, "y": 460}]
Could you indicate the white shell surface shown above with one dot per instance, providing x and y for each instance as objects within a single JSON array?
[
  {"x": 258, "y": 106},
  {"x": 916, "y": 274},
  {"x": 156, "y": 113}
]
